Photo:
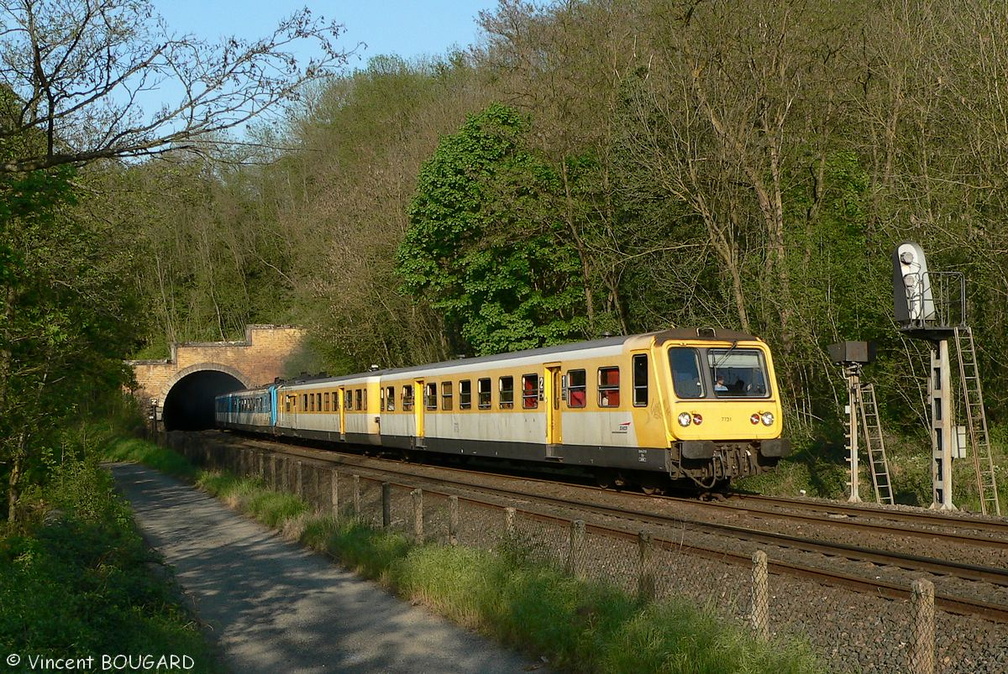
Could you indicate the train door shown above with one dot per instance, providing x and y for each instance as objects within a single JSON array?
[
  {"x": 341, "y": 400},
  {"x": 552, "y": 393},
  {"x": 419, "y": 405}
]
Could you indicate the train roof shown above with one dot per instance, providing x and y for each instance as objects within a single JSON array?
[{"x": 548, "y": 352}]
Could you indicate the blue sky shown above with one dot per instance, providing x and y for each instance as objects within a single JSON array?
[{"x": 409, "y": 29}]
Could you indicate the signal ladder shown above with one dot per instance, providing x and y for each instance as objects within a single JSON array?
[
  {"x": 867, "y": 413},
  {"x": 976, "y": 421}
]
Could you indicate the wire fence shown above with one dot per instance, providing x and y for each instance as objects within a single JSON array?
[{"x": 638, "y": 564}]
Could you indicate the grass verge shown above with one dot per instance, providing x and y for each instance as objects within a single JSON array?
[
  {"x": 81, "y": 584},
  {"x": 574, "y": 624}
]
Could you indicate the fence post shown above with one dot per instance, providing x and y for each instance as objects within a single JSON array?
[
  {"x": 334, "y": 493},
  {"x": 921, "y": 652},
  {"x": 646, "y": 577},
  {"x": 418, "y": 529},
  {"x": 356, "y": 496},
  {"x": 299, "y": 479},
  {"x": 453, "y": 520},
  {"x": 760, "y": 596},
  {"x": 509, "y": 522},
  {"x": 386, "y": 505},
  {"x": 575, "y": 546}
]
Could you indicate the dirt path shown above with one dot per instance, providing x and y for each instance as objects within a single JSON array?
[{"x": 274, "y": 607}]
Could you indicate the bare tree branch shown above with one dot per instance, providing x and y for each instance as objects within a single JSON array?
[{"x": 74, "y": 73}]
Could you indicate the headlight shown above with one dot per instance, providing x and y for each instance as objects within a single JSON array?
[
  {"x": 685, "y": 419},
  {"x": 767, "y": 418},
  {"x": 697, "y": 419}
]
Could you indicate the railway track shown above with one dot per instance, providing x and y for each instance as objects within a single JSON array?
[{"x": 627, "y": 517}]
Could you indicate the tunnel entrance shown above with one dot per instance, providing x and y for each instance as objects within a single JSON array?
[{"x": 189, "y": 405}]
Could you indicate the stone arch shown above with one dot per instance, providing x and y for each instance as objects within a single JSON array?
[
  {"x": 188, "y": 396},
  {"x": 202, "y": 367}
]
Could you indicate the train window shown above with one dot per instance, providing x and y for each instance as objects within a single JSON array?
[
  {"x": 358, "y": 399},
  {"x": 304, "y": 402},
  {"x": 640, "y": 380},
  {"x": 483, "y": 391},
  {"x": 348, "y": 399},
  {"x": 465, "y": 394},
  {"x": 737, "y": 372},
  {"x": 287, "y": 403},
  {"x": 365, "y": 397},
  {"x": 506, "y": 393},
  {"x": 530, "y": 391},
  {"x": 430, "y": 396},
  {"x": 608, "y": 387},
  {"x": 318, "y": 401},
  {"x": 446, "y": 395},
  {"x": 407, "y": 397},
  {"x": 686, "y": 372},
  {"x": 577, "y": 388},
  {"x": 325, "y": 401},
  {"x": 390, "y": 398}
]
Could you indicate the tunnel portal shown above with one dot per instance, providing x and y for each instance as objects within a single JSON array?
[{"x": 189, "y": 405}]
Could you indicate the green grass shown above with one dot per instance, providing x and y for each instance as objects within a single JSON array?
[
  {"x": 81, "y": 582},
  {"x": 508, "y": 595}
]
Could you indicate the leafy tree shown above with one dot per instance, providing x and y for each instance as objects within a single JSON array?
[
  {"x": 71, "y": 81},
  {"x": 67, "y": 318},
  {"x": 483, "y": 245}
]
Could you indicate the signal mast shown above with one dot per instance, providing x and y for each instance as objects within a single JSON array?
[{"x": 932, "y": 306}]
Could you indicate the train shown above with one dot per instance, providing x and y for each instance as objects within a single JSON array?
[{"x": 698, "y": 407}]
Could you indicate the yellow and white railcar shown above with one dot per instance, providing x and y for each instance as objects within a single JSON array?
[
  {"x": 688, "y": 404},
  {"x": 339, "y": 409}
]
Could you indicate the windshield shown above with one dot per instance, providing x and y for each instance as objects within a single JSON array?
[
  {"x": 721, "y": 373},
  {"x": 737, "y": 372}
]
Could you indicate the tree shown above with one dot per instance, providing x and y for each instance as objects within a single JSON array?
[
  {"x": 78, "y": 71},
  {"x": 483, "y": 244},
  {"x": 66, "y": 320},
  {"x": 72, "y": 77}
]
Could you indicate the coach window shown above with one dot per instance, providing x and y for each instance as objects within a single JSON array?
[
  {"x": 483, "y": 391},
  {"x": 407, "y": 398},
  {"x": 304, "y": 402},
  {"x": 530, "y": 391},
  {"x": 348, "y": 399},
  {"x": 446, "y": 395},
  {"x": 430, "y": 396},
  {"x": 465, "y": 394},
  {"x": 359, "y": 397},
  {"x": 506, "y": 393},
  {"x": 318, "y": 401},
  {"x": 640, "y": 380},
  {"x": 608, "y": 387},
  {"x": 686, "y": 372},
  {"x": 325, "y": 401},
  {"x": 577, "y": 388},
  {"x": 390, "y": 398}
]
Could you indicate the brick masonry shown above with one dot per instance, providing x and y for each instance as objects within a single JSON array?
[{"x": 257, "y": 360}]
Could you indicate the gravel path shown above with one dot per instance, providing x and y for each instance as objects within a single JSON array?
[{"x": 274, "y": 607}]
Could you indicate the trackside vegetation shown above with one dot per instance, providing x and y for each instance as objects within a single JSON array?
[
  {"x": 511, "y": 596},
  {"x": 79, "y": 582}
]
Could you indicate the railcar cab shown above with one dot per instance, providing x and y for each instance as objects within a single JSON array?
[{"x": 723, "y": 407}]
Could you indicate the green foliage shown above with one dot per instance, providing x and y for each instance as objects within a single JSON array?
[
  {"x": 483, "y": 245},
  {"x": 65, "y": 323},
  {"x": 82, "y": 581}
]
